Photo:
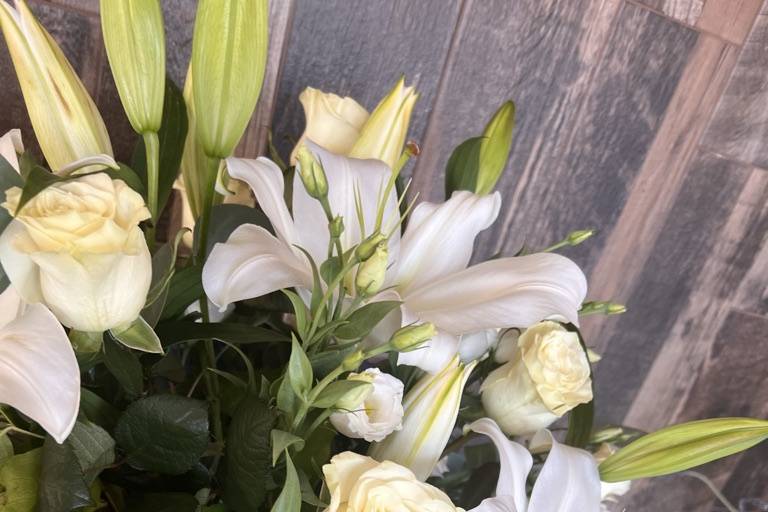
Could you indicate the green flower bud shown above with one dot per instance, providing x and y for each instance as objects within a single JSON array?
[
  {"x": 336, "y": 226},
  {"x": 135, "y": 42},
  {"x": 494, "y": 149},
  {"x": 367, "y": 247},
  {"x": 579, "y": 236},
  {"x": 412, "y": 337},
  {"x": 311, "y": 173},
  {"x": 371, "y": 273},
  {"x": 352, "y": 361}
]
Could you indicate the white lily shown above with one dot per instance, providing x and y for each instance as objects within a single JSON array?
[
  {"x": 428, "y": 267},
  {"x": 568, "y": 481}
]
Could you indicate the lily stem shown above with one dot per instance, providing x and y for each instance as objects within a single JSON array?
[{"x": 152, "y": 147}]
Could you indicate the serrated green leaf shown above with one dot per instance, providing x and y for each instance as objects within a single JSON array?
[
  {"x": 282, "y": 440},
  {"x": 98, "y": 410},
  {"x": 335, "y": 391},
  {"x": 125, "y": 366},
  {"x": 138, "y": 336},
  {"x": 362, "y": 321},
  {"x": 463, "y": 165},
  {"x": 247, "y": 456},
  {"x": 164, "y": 433},
  {"x": 299, "y": 370},
  {"x": 19, "y": 480},
  {"x": 238, "y": 334},
  {"x": 94, "y": 448},
  {"x": 62, "y": 484},
  {"x": 289, "y": 499}
]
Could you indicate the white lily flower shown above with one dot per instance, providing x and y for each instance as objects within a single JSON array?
[
  {"x": 39, "y": 375},
  {"x": 427, "y": 268},
  {"x": 568, "y": 481}
]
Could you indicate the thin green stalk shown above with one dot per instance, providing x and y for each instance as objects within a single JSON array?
[
  {"x": 314, "y": 394},
  {"x": 152, "y": 147}
]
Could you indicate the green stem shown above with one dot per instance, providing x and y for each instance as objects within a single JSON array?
[
  {"x": 152, "y": 147},
  {"x": 318, "y": 421},
  {"x": 314, "y": 394}
]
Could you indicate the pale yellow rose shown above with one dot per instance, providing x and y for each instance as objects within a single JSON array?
[
  {"x": 332, "y": 122},
  {"x": 77, "y": 248},
  {"x": 548, "y": 376},
  {"x": 360, "y": 484}
]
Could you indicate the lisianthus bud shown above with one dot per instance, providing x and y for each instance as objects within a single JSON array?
[
  {"x": 494, "y": 149},
  {"x": 372, "y": 412},
  {"x": 229, "y": 55},
  {"x": 311, "y": 173},
  {"x": 66, "y": 122},
  {"x": 353, "y": 360},
  {"x": 135, "y": 42},
  {"x": 383, "y": 135},
  {"x": 431, "y": 409},
  {"x": 360, "y": 484},
  {"x": 368, "y": 247},
  {"x": 336, "y": 226},
  {"x": 412, "y": 337},
  {"x": 547, "y": 377},
  {"x": 370, "y": 276},
  {"x": 333, "y": 122},
  {"x": 77, "y": 247}
]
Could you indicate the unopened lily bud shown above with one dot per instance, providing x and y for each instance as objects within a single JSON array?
[
  {"x": 135, "y": 42},
  {"x": 579, "y": 236},
  {"x": 370, "y": 275},
  {"x": 229, "y": 55},
  {"x": 352, "y": 361},
  {"x": 66, "y": 122},
  {"x": 494, "y": 149},
  {"x": 311, "y": 173},
  {"x": 336, "y": 226},
  {"x": 413, "y": 336},
  {"x": 383, "y": 135},
  {"x": 367, "y": 247},
  {"x": 602, "y": 307}
]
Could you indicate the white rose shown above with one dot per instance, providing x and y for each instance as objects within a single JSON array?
[
  {"x": 378, "y": 413},
  {"x": 333, "y": 122},
  {"x": 547, "y": 377},
  {"x": 360, "y": 484},
  {"x": 77, "y": 248}
]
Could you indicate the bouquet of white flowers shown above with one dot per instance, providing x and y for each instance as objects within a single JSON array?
[{"x": 320, "y": 342}]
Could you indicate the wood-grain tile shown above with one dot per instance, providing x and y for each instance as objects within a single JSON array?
[{"x": 360, "y": 49}]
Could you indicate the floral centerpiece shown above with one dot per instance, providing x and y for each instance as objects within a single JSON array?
[{"x": 313, "y": 336}]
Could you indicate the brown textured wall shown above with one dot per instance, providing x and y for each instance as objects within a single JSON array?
[{"x": 646, "y": 119}]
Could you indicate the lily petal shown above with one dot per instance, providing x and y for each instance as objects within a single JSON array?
[
  {"x": 569, "y": 480},
  {"x": 440, "y": 237},
  {"x": 515, "y": 464},
  {"x": 433, "y": 355},
  {"x": 39, "y": 375},
  {"x": 252, "y": 263},
  {"x": 11, "y": 146},
  {"x": 266, "y": 180},
  {"x": 11, "y": 306},
  {"x": 508, "y": 292},
  {"x": 344, "y": 175}
]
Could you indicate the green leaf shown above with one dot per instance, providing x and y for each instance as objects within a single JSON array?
[
  {"x": 362, "y": 321},
  {"x": 286, "y": 398},
  {"x": 172, "y": 134},
  {"x": 299, "y": 370},
  {"x": 330, "y": 268},
  {"x": 282, "y": 440},
  {"x": 126, "y": 174},
  {"x": 335, "y": 391},
  {"x": 163, "y": 269},
  {"x": 186, "y": 287},
  {"x": 239, "y": 334},
  {"x": 62, "y": 484},
  {"x": 86, "y": 342},
  {"x": 461, "y": 171},
  {"x": 582, "y": 417},
  {"x": 494, "y": 151},
  {"x": 289, "y": 499},
  {"x": 164, "y": 433},
  {"x": 300, "y": 311},
  {"x": 138, "y": 336},
  {"x": 681, "y": 447},
  {"x": 6, "y": 447},
  {"x": 98, "y": 410},
  {"x": 164, "y": 502},
  {"x": 94, "y": 448},
  {"x": 125, "y": 366},
  {"x": 19, "y": 480},
  {"x": 247, "y": 456},
  {"x": 324, "y": 362}
]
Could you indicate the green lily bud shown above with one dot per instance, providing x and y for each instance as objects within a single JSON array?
[
  {"x": 370, "y": 275},
  {"x": 229, "y": 55},
  {"x": 367, "y": 247},
  {"x": 336, "y": 226},
  {"x": 681, "y": 447},
  {"x": 412, "y": 337},
  {"x": 352, "y": 361},
  {"x": 311, "y": 173},
  {"x": 135, "y": 42},
  {"x": 494, "y": 149}
]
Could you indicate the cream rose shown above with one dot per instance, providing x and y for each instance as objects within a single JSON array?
[
  {"x": 77, "y": 248},
  {"x": 377, "y": 413},
  {"x": 360, "y": 484},
  {"x": 547, "y": 377},
  {"x": 333, "y": 122}
]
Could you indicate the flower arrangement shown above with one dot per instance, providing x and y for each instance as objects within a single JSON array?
[{"x": 327, "y": 343}]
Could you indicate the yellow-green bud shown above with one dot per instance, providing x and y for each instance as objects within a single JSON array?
[
  {"x": 607, "y": 434},
  {"x": 494, "y": 148},
  {"x": 602, "y": 307},
  {"x": 135, "y": 42},
  {"x": 336, "y": 226},
  {"x": 579, "y": 236},
  {"x": 311, "y": 173},
  {"x": 412, "y": 337},
  {"x": 353, "y": 398},
  {"x": 352, "y": 361},
  {"x": 367, "y": 247},
  {"x": 371, "y": 273}
]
